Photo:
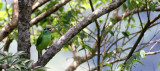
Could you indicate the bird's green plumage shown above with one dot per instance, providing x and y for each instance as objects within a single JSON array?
[{"x": 43, "y": 41}]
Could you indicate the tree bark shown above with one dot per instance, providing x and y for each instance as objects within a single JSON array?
[
  {"x": 11, "y": 26},
  {"x": 7, "y": 44},
  {"x": 25, "y": 10}
]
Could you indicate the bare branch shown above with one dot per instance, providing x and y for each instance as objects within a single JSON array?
[
  {"x": 10, "y": 26},
  {"x": 140, "y": 37},
  {"x": 49, "y": 11},
  {"x": 98, "y": 37}
]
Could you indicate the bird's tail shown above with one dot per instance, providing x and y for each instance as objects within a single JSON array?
[{"x": 39, "y": 55}]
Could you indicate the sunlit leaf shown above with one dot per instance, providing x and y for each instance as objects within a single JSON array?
[
  {"x": 98, "y": 5},
  {"x": 1, "y": 5},
  {"x": 108, "y": 64},
  {"x": 159, "y": 63},
  {"x": 3, "y": 14},
  {"x": 142, "y": 53}
]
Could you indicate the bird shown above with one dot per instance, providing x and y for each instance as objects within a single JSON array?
[{"x": 43, "y": 40}]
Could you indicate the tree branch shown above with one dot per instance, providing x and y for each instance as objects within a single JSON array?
[
  {"x": 13, "y": 24},
  {"x": 75, "y": 64},
  {"x": 124, "y": 58},
  {"x": 49, "y": 11},
  {"x": 56, "y": 47},
  {"x": 98, "y": 38},
  {"x": 10, "y": 26},
  {"x": 38, "y": 4},
  {"x": 25, "y": 11},
  {"x": 7, "y": 43},
  {"x": 140, "y": 37}
]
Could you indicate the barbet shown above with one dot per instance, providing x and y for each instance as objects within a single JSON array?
[{"x": 43, "y": 40}]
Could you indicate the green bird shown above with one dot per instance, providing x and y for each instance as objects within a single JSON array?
[{"x": 43, "y": 40}]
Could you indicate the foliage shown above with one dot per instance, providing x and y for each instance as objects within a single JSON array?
[
  {"x": 117, "y": 32},
  {"x": 15, "y": 63}
]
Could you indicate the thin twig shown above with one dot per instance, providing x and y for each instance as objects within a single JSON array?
[
  {"x": 140, "y": 19},
  {"x": 139, "y": 39},
  {"x": 98, "y": 37},
  {"x": 7, "y": 10}
]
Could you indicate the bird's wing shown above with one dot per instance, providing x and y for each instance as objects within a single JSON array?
[{"x": 39, "y": 40}]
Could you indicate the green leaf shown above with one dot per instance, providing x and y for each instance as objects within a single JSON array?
[
  {"x": 132, "y": 25},
  {"x": 104, "y": 1},
  {"x": 81, "y": 49},
  {"x": 89, "y": 48},
  {"x": 126, "y": 34},
  {"x": 142, "y": 53},
  {"x": 98, "y": 5},
  {"x": 7, "y": 57},
  {"x": 124, "y": 6},
  {"x": 2, "y": 54},
  {"x": 113, "y": 20},
  {"x": 111, "y": 32},
  {"x": 134, "y": 58},
  {"x": 159, "y": 63},
  {"x": 118, "y": 49},
  {"x": 108, "y": 64},
  {"x": 152, "y": 6},
  {"x": 38, "y": 68},
  {"x": 30, "y": 63},
  {"x": 65, "y": 48},
  {"x": 139, "y": 61},
  {"x": 120, "y": 65},
  {"x": 130, "y": 1},
  {"x": 100, "y": 21},
  {"x": 18, "y": 67},
  {"x": 19, "y": 53},
  {"x": 101, "y": 63},
  {"x": 133, "y": 19},
  {"x": 10, "y": 69},
  {"x": 15, "y": 35},
  {"x": 82, "y": 7},
  {"x": 25, "y": 61},
  {"x": 82, "y": 35},
  {"x": 137, "y": 2},
  {"x": 17, "y": 61},
  {"x": 1, "y": 5},
  {"x": 108, "y": 55},
  {"x": 105, "y": 56},
  {"x": 76, "y": 42},
  {"x": 3, "y": 14}
]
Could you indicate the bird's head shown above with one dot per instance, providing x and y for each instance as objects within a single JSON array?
[{"x": 48, "y": 29}]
